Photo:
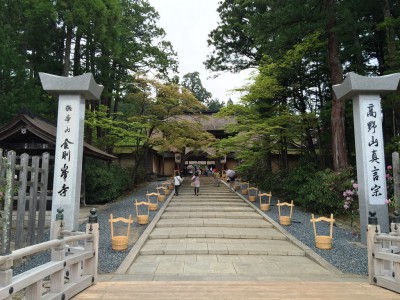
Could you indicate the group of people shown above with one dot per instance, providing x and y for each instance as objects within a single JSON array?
[
  {"x": 178, "y": 181},
  {"x": 196, "y": 180}
]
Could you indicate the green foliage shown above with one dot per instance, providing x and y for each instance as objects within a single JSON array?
[
  {"x": 316, "y": 191},
  {"x": 120, "y": 131},
  {"x": 295, "y": 46},
  {"x": 105, "y": 182},
  {"x": 297, "y": 178},
  {"x": 193, "y": 83},
  {"x": 215, "y": 105},
  {"x": 323, "y": 192},
  {"x": 110, "y": 38}
]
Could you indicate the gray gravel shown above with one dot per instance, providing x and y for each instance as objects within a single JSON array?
[
  {"x": 347, "y": 253},
  {"x": 109, "y": 260}
]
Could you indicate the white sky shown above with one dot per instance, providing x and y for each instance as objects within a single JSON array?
[{"x": 187, "y": 24}]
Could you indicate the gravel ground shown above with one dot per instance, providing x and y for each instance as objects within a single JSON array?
[
  {"x": 109, "y": 260},
  {"x": 347, "y": 253}
]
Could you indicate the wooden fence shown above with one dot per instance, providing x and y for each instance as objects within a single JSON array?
[
  {"x": 25, "y": 180},
  {"x": 384, "y": 254},
  {"x": 72, "y": 268}
]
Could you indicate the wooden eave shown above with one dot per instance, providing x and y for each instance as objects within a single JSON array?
[{"x": 45, "y": 131}]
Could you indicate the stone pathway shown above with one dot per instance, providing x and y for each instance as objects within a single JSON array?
[
  {"x": 219, "y": 236},
  {"x": 219, "y": 246}
]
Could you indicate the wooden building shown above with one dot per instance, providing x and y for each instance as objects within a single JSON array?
[
  {"x": 164, "y": 163},
  {"x": 33, "y": 135}
]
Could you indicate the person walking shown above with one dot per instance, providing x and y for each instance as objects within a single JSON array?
[
  {"x": 196, "y": 183},
  {"x": 217, "y": 177},
  {"x": 231, "y": 178},
  {"x": 177, "y": 182}
]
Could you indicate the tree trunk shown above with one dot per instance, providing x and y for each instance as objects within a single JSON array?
[
  {"x": 268, "y": 161},
  {"x": 77, "y": 54},
  {"x": 390, "y": 58},
  {"x": 338, "y": 106},
  {"x": 67, "y": 55}
]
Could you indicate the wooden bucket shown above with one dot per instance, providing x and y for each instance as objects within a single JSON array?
[
  {"x": 252, "y": 198},
  {"x": 171, "y": 186},
  {"x": 244, "y": 187},
  {"x": 237, "y": 186},
  {"x": 119, "y": 243},
  {"x": 142, "y": 219},
  {"x": 153, "y": 206},
  {"x": 284, "y": 220},
  {"x": 161, "y": 198},
  {"x": 265, "y": 207},
  {"x": 167, "y": 191},
  {"x": 323, "y": 242}
]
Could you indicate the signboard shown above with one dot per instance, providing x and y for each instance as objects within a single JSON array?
[{"x": 371, "y": 121}]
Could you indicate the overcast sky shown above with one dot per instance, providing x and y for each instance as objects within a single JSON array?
[{"x": 187, "y": 24}]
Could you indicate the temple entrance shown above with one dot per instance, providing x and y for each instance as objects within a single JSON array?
[{"x": 199, "y": 161}]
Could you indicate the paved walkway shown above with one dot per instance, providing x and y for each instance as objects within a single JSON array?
[{"x": 219, "y": 237}]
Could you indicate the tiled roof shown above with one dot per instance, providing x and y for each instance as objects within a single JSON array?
[{"x": 46, "y": 131}]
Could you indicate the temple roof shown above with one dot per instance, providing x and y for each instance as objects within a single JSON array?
[
  {"x": 208, "y": 120},
  {"x": 28, "y": 129}
]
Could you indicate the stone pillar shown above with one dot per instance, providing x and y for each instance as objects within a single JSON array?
[
  {"x": 368, "y": 133},
  {"x": 72, "y": 93}
]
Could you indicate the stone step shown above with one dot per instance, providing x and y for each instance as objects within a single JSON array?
[
  {"x": 208, "y": 209},
  {"x": 275, "y": 285},
  {"x": 204, "y": 199},
  {"x": 221, "y": 247},
  {"x": 216, "y": 232},
  {"x": 214, "y": 222},
  {"x": 203, "y": 193},
  {"x": 207, "y": 203},
  {"x": 229, "y": 215},
  {"x": 209, "y": 196},
  {"x": 207, "y": 189}
]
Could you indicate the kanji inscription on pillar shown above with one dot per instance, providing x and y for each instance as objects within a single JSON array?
[{"x": 373, "y": 145}]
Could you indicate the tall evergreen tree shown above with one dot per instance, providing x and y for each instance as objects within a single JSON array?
[
  {"x": 251, "y": 31},
  {"x": 193, "y": 83}
]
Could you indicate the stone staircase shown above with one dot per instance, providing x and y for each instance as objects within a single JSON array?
[
  {"x": 217, "y": 235},
  {"x": 217, "y": 246}
]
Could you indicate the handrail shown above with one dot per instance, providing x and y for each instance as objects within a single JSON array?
[
  {"x": 387, "y": 238},
  {"x": 383, "y": 257},
  {"x": 80, "y": 264},
  {"x": 71, "y": 233},
  {"x": 30, "y": 250}
]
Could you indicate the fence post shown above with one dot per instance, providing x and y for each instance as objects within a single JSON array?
[
  {"x": 90, "y": 265},
  {"x": 58, "y": 253},
  {"x": 44, "y": 172},
  {"x": 396, "y": 230},
  {"x": 33, "y": 200},
  {"x": 20, "y": 221},
  {"x": 396, "y": 177},
  {"x": 372, "y": 245},
  {"x": 8, "y": 202},
  {"x": 6, "y": 272}
]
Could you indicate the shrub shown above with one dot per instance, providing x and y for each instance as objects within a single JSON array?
[
  {"x": 316, "y": 191},
  {"x": 323, "y": 192},
  {"x": 105, "y": 182},
  {"x": 287, "y": 183}
]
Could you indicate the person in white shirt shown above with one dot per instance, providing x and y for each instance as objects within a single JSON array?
[{"x": 177, "y": 182}]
